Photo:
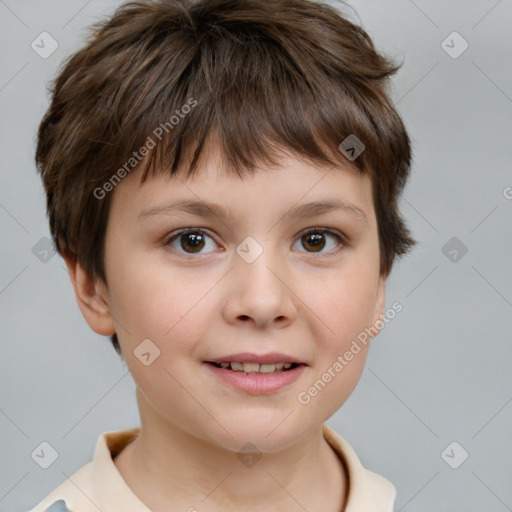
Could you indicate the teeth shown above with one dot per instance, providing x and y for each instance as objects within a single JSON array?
[
  {"x": 256, "y": 368},
  {"x": 251, "y": 367},
  {"x": 266, "y": 368}
]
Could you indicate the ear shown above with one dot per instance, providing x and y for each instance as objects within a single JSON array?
[
  {"x": 380, "y": 304},
  {"x": 92, "y": 298}
]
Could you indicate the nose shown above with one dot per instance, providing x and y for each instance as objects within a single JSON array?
[{"x": 260, "y": 292}]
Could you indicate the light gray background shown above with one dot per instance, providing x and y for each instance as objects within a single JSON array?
[{"x": 439, "y": 372}]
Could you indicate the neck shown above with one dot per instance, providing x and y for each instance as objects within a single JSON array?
[{"x": 166, "y": 466}]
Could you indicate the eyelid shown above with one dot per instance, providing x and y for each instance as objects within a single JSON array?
[
  {"x": 343, "y": 241},
  {"x": 330, "y": 231},
  {"x": 177, "y": 232}
]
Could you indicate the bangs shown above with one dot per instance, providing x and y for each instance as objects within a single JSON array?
[{"x": 252, "y": 91}]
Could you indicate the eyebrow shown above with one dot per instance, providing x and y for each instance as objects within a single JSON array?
[{"x": 208, "y": 210}]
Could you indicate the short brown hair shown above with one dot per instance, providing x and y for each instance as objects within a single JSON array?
[{"x": 260, "y": 75}]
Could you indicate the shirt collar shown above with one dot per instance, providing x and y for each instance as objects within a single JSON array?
[
  {"x": 113, "y": 493},
  {"x": 366, "y": 490}
]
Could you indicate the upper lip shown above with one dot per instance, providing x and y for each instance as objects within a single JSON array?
[{"x": 248, "y": 357}]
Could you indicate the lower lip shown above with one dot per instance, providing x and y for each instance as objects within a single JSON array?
[{"x": 258, "y": 383}]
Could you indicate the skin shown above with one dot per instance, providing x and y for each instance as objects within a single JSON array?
[{"x": 294, "y": 298}]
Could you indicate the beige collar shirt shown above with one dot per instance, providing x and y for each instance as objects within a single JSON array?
[{"x": 98, "y": 486}]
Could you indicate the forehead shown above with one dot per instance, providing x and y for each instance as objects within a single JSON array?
[{"x": 294, "y": 184}]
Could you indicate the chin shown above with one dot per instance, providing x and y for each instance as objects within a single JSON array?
[{"x": 269, "y": 434}]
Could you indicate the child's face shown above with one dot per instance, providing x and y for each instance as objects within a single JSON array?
[{"x": 198, "y": 299}]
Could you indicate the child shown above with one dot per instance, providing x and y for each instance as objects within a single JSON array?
[{"x": 222, "y": 181}]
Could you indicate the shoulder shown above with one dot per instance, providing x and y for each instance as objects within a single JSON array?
[
  {"x": 73, "y": 494},
  {"x": 58, "y": 506},
  {"x": 86, "y": 490}
]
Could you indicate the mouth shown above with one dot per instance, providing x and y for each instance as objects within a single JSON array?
[
  {"x": 257, "y": 374},
  {"x": 256, "y": 368},
  {"x": 256, "y": 378}
]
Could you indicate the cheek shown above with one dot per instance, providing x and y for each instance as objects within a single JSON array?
[
  {"x": 142, "y": 307},
  {"x": 343, "y": 305},
  {"x": 153, "y": 300},
  {"x": 347, "y": 308}
]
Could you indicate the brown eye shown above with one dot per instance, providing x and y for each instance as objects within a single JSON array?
[
  {"x": 195, "y": 241},
  {"x": 316, "y": 239},
  {"x": 190, "y": 241}
]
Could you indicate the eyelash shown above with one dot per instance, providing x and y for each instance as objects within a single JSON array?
[{"x": 342, "y": 240}]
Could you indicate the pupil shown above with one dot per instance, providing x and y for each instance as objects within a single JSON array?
[
  {"x": 318, "y": 241},
  {"x": 197, "y": 241}
]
